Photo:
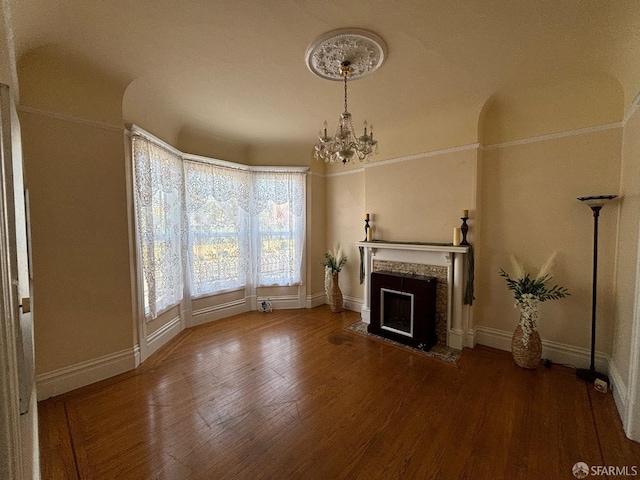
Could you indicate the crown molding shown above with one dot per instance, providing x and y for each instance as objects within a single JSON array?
[
  {"x": 348, "y": 172},
  {"x": 635, "y": 105},
  {"x": 417, "y": 156},
  {"x": 553, "y": 136},
  {"x": 479, "y": 146},
  {"x": 68, "y": 118}
]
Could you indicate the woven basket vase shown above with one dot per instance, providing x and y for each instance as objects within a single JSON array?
[
  {"x": 335, "y": 295},
  {"x": 526, "y": 356}
]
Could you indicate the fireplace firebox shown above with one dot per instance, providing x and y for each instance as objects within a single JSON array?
[{"x": 403, "y": 308}]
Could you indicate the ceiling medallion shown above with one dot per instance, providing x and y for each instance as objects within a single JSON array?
[
  {"x": 345, "y": 55},
  {"x": 364, "y": 50}
]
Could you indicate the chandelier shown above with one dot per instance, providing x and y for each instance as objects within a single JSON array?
[
  {"x": 344, "y": 55},
  {"x": 344, "y": 145}
]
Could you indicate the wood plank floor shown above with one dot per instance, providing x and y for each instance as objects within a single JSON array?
[{"x": 293, "y": 395}]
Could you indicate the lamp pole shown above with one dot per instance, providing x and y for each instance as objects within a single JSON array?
[{"x": 596, "y": 202}]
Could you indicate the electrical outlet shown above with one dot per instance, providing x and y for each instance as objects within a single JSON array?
[{"x": 600, "y": 385}]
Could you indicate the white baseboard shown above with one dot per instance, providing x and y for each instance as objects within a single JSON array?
[
  {"x": 161, "y": 336},
  {"x": 316, "y": 300},
  {"x": 365, "y": 315},
  {"x": 352, "y": 303},
  {"x": 619, "y": 388},
  {"x": 29, "y": 438},
  {"x": 492, "y": 337},
  {"x": 137, "y": 355},
  {"x": 216, "y": 312},
  {"x": 632, "y": 428},
  {"x": 625, "y": 402},
  {"x": 281, "y": 302},
  {"x": 69, "y": 378},
  {"x": 469, "y": 338},
  {"x": 554, "y": 351}
]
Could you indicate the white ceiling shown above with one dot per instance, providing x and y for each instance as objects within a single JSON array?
[{"x": 236, "y": 69}]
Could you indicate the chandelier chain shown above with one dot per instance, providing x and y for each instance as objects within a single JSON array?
[{"x": 345, "y": 91}]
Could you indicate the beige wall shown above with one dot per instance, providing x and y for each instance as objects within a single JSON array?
[
  {"x": 416, "y": 199},
  {"x": 82, "y": 289},
  {"x": 316, "y": 232},
  {"x": 530, "y": 210},
  {"x": 452, "y": 125},
  {"x": 198, "y": 142},
  {"x": 421, "y": 200},
  {"x": 521, "y": 192},
  {"x": 75, "y": 173},
  {"x": 532, "y": 111},
  {"x": 146, "y": 108},
  {"x": 345, "y": 225},
  {"x": 627, "y": 261},
  {"x": 57, "y": 82},
  {"x": 7, "y": 65}
]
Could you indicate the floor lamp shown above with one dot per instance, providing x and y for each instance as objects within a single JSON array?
[{"x": 596, "y": 202}]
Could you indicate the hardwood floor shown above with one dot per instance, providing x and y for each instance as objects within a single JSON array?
[{"x": 292, "y": 395}]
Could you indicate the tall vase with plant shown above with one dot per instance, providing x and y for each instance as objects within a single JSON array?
[
  {"x": 529, "y": 292},
  {"x": 333, "y": 263}
]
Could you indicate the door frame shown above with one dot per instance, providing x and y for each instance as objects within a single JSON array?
[
  {"x": 632, "y": 420},
  {"x": 10, "y": 432}
]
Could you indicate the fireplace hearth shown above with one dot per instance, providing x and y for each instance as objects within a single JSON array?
[{"x": 403, "y": 308}]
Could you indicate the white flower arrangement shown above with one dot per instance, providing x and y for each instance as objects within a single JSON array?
[
  {"x": 333, "y": 263},
  {"x": 530, "y": 291},
  {"x": 529, "y": 310}
]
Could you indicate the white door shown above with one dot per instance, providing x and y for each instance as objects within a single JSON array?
[
  {"x": 16, "y": 326},
  {"x": 632, "y": 420}
]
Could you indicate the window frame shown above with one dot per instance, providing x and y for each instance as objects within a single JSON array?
[{"x": 250, "y": 274}]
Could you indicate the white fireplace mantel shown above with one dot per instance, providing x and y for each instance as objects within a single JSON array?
[{"x": 452, "y": 257}]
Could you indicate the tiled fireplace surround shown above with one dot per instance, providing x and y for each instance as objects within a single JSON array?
[{"x": 445, "y": 262}]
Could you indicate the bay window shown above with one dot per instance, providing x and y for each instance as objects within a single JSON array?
[
  {"x": 217, "y": 219},
  {"x": 205, "y": 226},
  {"x": 278, "y": 204},
  {"x": 159, "y": 195}
]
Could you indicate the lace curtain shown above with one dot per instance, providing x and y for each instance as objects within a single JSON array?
[
  {"x": 211, "y": 228},
  {"x": 278, "y": 227},
  {"x": 159, "y": 194},
  {"x": 217, "y": 213}
]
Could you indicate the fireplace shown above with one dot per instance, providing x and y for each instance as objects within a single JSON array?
[
  {"x": 447, "y": 262},
  {"x": 403, "y": 308}
]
